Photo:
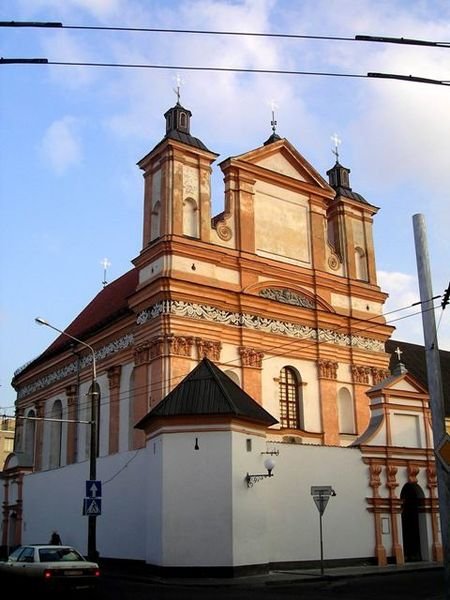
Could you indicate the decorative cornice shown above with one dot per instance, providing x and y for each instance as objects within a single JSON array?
[
  {"x": 71, "y": 368},
  {"x": 206, "y": 312}
]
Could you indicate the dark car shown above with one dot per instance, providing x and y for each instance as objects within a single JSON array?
[{"x": 54, "y": 567}]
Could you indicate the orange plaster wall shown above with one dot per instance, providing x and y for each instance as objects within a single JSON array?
[
  {"x": 362, "y": 415},
  {"x": 140, "y": 395},
  {"x": 330, "y": 424},
  {"x": 251, "y": 382}
]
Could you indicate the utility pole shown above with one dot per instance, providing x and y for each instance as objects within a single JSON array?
[{"x": 435, "y": 388}]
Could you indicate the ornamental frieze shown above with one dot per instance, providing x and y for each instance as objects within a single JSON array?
[
  {"x": 287, "y": 297},
  {"x": 209, "y": 313},
  {"x": 72, "y": 368}
]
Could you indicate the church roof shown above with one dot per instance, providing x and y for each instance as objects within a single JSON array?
[
  {"x": 413, "y": 357},
  {"x": 109, "y": 304},
  {"x": 207, "y": 390}
]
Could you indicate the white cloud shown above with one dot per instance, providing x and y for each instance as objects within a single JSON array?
[
  {"x": 403, "y": 293},
  {"x": 61, "y": 144},
  {"x": 97, "y": 8}
]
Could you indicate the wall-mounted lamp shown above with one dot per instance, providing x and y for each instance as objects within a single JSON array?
[
  {"x": 196, "y": 446},
  {"x": 269, "y": 463}
]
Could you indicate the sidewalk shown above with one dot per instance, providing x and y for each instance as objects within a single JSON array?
[{"x": 276, "y": 577}]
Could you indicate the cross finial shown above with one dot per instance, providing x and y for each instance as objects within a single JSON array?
[
  {"x": 105, "y": 264},
  {"x": 337, "y": 141},
  {"x": 399, "y": 353},
  {"x": 179, "y": 83},
  {"x": 273, "y": 122}
]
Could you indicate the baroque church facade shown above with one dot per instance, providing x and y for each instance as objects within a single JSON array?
[{"x": 258, "y": 331}]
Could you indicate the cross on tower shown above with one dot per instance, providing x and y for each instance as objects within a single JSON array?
[
  {"x": 399, "y": 353},
  {"x": 337, "y": 141},
  {"x": 179, "y": 82},
  {"x": 273, "y": 122},
  {"x": 105, "y": 264}
]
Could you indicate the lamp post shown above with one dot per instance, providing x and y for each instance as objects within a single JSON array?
[{"x": 94, "y": 394}]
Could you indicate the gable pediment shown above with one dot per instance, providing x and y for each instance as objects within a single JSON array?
[
  {"x": 404, "y": 382},
  {"x": 283, "y": 158}
]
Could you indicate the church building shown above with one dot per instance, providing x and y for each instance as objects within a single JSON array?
[{"x": 232, "y": 386}]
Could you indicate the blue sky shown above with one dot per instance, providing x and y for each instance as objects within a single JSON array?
[{"x": 70, "y": 191}]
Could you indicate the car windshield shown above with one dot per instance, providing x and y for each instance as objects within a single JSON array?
[
  {"x": 14, "y": 555},
  {"x": 59, "y": 555}
]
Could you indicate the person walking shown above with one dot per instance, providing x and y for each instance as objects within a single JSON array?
[{"x": 55, "y": 540}]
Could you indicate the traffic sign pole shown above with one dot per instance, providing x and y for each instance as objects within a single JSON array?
[
  {"x": 321, "y": 543},
  {"x": 321, "y": 494}
]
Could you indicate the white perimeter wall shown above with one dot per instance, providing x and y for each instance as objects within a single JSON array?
[
  {"x": 172, "y": 505},
  {"x": 54, "y": 500},
  {"x": 293, "y": 518}
]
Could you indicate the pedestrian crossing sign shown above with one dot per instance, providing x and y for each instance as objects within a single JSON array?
[{"x": 92, "y": 507}]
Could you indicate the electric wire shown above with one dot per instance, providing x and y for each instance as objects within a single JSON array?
[
  {"x": 408, "y": 78},
  {"x": 158, "y": 386},
  {"x": 265, "y": 34}
]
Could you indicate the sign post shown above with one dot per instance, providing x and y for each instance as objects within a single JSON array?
[
  {"x": 92, "y": 504},
  {"x": 321, "y": 494}
]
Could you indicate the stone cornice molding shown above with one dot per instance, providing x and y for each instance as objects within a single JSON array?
[
  {"x": 72, "y": 368},
  {"x": 212, "y": 314}
]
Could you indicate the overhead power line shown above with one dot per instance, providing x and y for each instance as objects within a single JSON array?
[
  {"x": 356, "y": 38},
  {"x": 409, "y": 78}
]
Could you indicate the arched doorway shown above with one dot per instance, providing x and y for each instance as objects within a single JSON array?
[{"x": 411, "y": 495}]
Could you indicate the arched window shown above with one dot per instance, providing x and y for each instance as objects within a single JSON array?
[
  {"x": 233, "y": 376},
  {"x": 55, "y": 435},
  {"x": 345, "y": 411},
  {"x": 360, "y": 264},
  {"x": 289, "y": 386},
  {"x": 29, "y": 437},
  {"x": 190, "y": 217},
  {"x": 156, "y": 222}
]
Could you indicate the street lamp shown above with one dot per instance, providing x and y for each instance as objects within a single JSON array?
[{"x": 94, "y": 394}]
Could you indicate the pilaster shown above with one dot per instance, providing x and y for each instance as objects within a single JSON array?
[
  {"x": 327, "y": 370},
  {"x": 72, "y": 426},
  {"x": 251, "y": 362},
  {"x": 114, "y": 407}
]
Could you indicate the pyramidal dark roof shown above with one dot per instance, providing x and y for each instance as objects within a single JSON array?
[
  {"x": 207, "y": 390},
  {"x": 414, "y": 358}
]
